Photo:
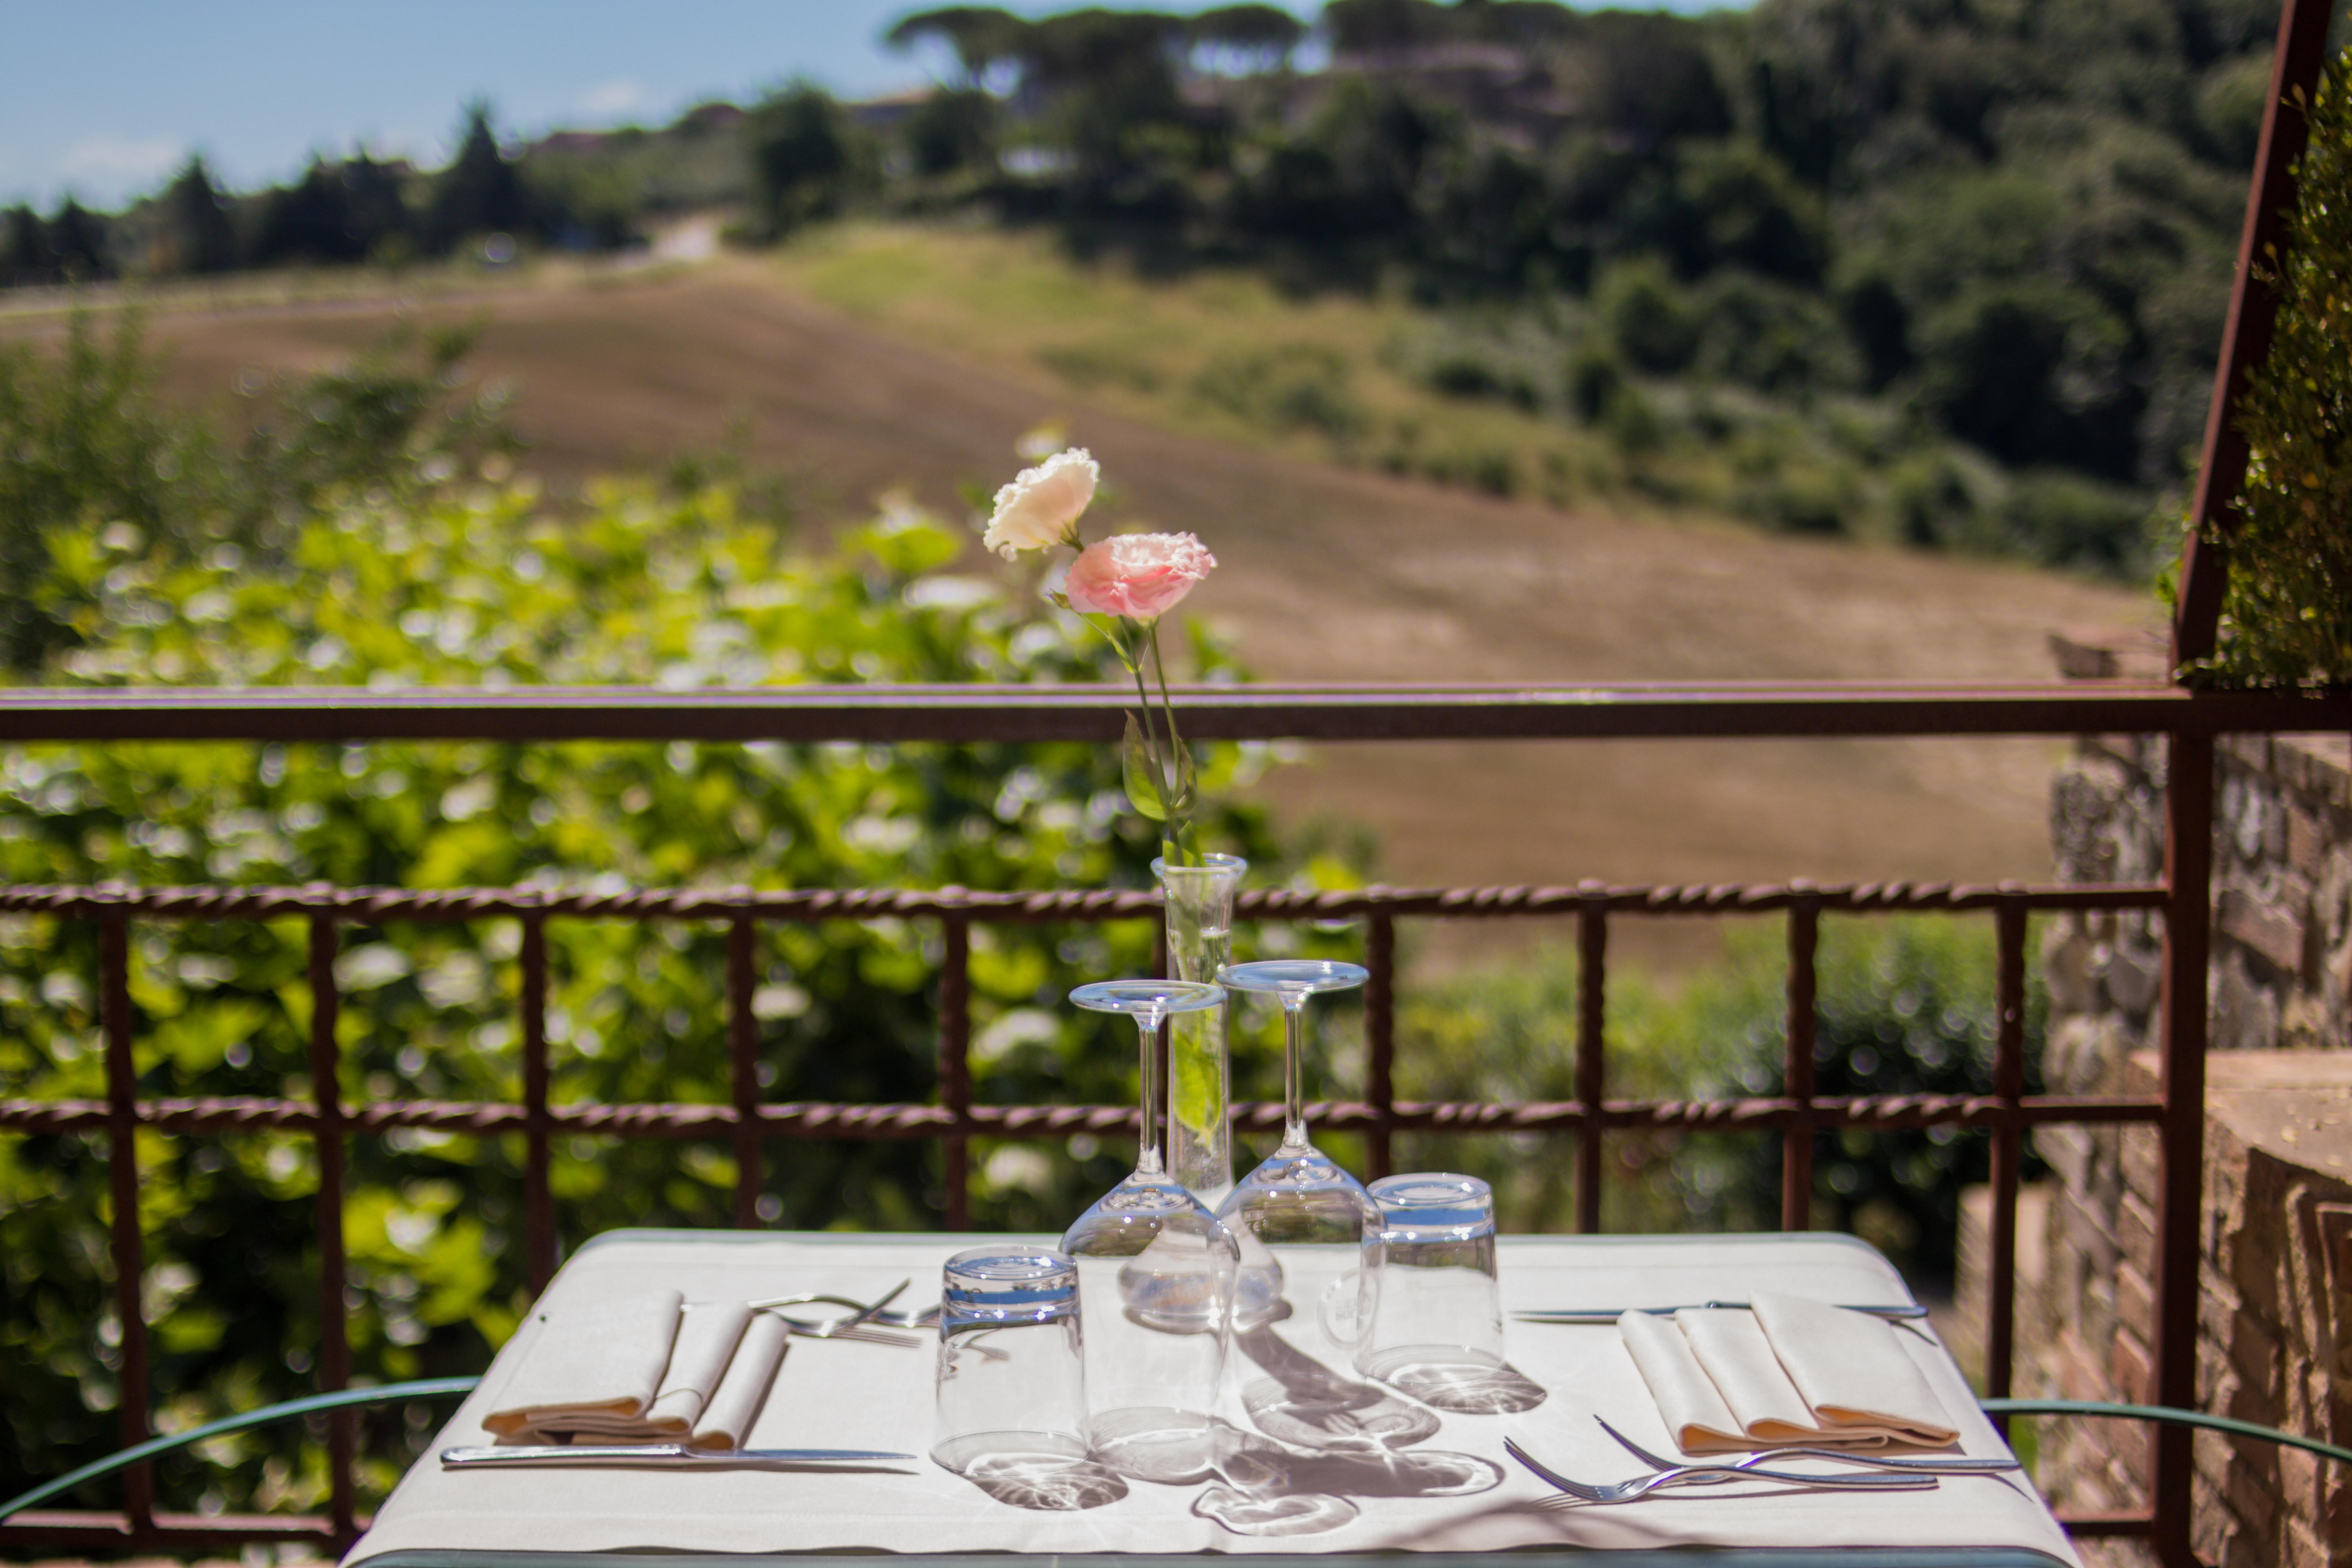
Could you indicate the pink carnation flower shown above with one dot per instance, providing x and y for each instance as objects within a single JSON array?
[{"x": 1139, "y": 576}]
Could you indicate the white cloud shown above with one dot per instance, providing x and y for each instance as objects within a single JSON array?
[
  {"x": 115, "y": 161},
  {"x": 620, "y": 96}
]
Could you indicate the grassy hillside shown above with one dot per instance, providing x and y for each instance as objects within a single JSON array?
[
  {"x": 1328, "y": 573},
  {"x": 1221, "y": 353}
]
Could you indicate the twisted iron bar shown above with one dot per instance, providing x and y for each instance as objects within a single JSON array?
[
  {"x": 364, "y": 905},
  {"x": 820, "y": 1120}
]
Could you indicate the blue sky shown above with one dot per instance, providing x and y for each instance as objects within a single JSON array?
[{"x": 104, "y": 98}]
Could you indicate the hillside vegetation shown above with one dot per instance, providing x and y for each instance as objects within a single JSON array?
[{"x": 1942, "y": 272}]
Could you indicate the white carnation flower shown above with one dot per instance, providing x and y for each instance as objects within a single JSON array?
[{"x": 1036, "y": 510}]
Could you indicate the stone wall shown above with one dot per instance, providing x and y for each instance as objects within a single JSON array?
[{"x": 2281, "y": 975}]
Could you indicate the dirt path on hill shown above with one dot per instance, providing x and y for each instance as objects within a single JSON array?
[{"x": 1329, "y": 575}]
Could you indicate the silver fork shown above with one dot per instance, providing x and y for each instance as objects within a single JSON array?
[
  {"x": 1944, "y": 1467},
  {"x": 1703, "y": 1475},
  {"x": 857, "y": 1326}
]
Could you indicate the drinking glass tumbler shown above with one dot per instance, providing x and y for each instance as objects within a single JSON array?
[
  {"x": 1437, "y": 1314},
  {"x": 1012, "y": 1380}
]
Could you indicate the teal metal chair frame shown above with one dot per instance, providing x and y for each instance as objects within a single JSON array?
[
  {"x": 450, "y": 1387},
  {"x": 268, "y": 1415}
]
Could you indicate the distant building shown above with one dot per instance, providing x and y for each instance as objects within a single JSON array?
[
  {"x": 889, "y": 111},
  {"x": 708, "y": 117},
  {"x": 1508, "y": 88}
]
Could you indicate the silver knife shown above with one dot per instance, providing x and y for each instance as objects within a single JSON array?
[
  {"x": 1610, "y": 1314},
  {"x": 663, "y": 1454}
]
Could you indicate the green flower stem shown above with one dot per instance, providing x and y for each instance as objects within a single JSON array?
[
  {"x": 1177, "y": 836},
  {"x": 1152, "y": 744}
]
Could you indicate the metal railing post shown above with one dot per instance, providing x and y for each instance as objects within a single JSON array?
[
  {"x": 2188, "y": 937},
  {"x": 2008, "y": 1147},
  {"x": 334, "y": 1337},
  {"x": 1591, "y": 1021},
  {"x": 743, "y": 1067},
  {"x": 1379, "y": 1042},
  {"x": 132, "y": 1396},
  {"x": 955, "y": 1067},
  {"x": 1797, "y": 1141},
  {"x": 538, "y": 1197}
]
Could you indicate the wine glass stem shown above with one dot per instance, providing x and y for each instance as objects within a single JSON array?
[
  {"x": 1293, "y": 1072},
  {"x": 1147, "y": 1153}
]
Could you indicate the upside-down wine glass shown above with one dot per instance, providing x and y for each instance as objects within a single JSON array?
[
  {"x": 1155, "y": 1279},
  {"x": 1300, "y": 1219}
]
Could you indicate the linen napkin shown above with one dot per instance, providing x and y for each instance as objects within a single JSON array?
[
  {"x": 648, "y": 1368},
  {"x": 1787, "y": 1371}
]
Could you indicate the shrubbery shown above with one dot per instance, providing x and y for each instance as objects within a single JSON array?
[
  {"x": 441, "y": 568},
  {"x": 2287, "y": 616},
  {"x": 1904, "y": 1006}
]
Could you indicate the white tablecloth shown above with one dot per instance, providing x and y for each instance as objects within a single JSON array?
[{"x": 842, "y": 1394}]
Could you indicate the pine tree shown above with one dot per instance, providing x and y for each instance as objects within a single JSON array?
[
  {"x": 309, "y": 221},
  {"x": 78, "y": 240},
  {"x": 26, "y": 256},
  {"x": 201, "y": 240},
  {"x": 379, "y": 211},
  {"x": 478, "y": 193}
]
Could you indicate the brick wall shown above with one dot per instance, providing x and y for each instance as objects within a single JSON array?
[{"x": 2282, "y": 970}]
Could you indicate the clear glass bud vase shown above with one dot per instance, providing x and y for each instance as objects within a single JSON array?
[{"x": 1200, "y": 1094}]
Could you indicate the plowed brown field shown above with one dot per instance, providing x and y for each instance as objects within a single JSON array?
[{"x": 1333, "y": 575}]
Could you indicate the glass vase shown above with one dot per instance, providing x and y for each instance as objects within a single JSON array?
[{"x": 1200, "y": 1095}]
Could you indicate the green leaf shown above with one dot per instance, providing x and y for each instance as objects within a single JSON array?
[
  {"x": 1142, "y": 778},
  {"x": 1188, "y": 783}
]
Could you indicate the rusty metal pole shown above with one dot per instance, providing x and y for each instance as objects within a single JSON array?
[
  {"x": 2008, "y": 1149},
  {"x": 334, "y": 1338},
  {"x": 1591, "y": 1020},
  {"x": 743, "y": 1066},
  {"x": 2188, "y": 939},
  {"x": 1797, "y": 1143},
  {"x": 1379, "y": 1041},
  {"x": 955, "y": 1068},
  {"x": 538, "y": 1199},
  {"x": 131, "y": 1394}
]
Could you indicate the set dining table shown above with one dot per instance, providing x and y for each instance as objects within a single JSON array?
[{"x": 874, "y": 1395}]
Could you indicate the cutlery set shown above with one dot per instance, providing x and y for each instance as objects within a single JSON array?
[
  {"x": 1880, "y": 1472},
  {"x": 874, "y": 1323},
  {"x": 1610, "y": 1314},
  {"x": 864, "y": 1323}
]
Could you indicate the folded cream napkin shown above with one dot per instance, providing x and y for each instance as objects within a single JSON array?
[
  {"x": 649, "y": 1368},
  {"x": 1787, "y": 1371}
]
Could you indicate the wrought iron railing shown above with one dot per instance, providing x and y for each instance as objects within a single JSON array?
[
  {"x": 2188, "y": 722},
  {"x": 749, "y": 1121}
]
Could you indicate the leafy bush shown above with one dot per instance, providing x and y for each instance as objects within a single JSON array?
[
  {"x": 451, "y": 574},
  {"x": 1904, "y": 1006},
  {"x": 2286, "y": 619},
  {"x": 85, "y": 442},
  {"x": 806, "y": 158},
  {"x": 1301, "y": 387}
]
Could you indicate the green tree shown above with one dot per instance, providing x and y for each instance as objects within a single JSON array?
[
  {"x": 2286, "y": 619},
  {"x": 310, "y": 221},
  {"x": 381, "y": 221},
  {"x": 199, "y": 237},
  {"x": 954, "y": 129},
  {"x": 25, "y": 256},
  {"x": 982, "y": 36},
  {"x": 805, "y": 158},
  {"x": 479, "y": 193},
  {"x": 77, "y": 238},
  {"x": 1251, "y": 38}
]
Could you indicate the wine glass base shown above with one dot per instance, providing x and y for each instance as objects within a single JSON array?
[
  {"x": 1335, "y": 1414},
  {"x": 1463, "y": 1383},
  {"x": 1173, "y": 1447}
]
